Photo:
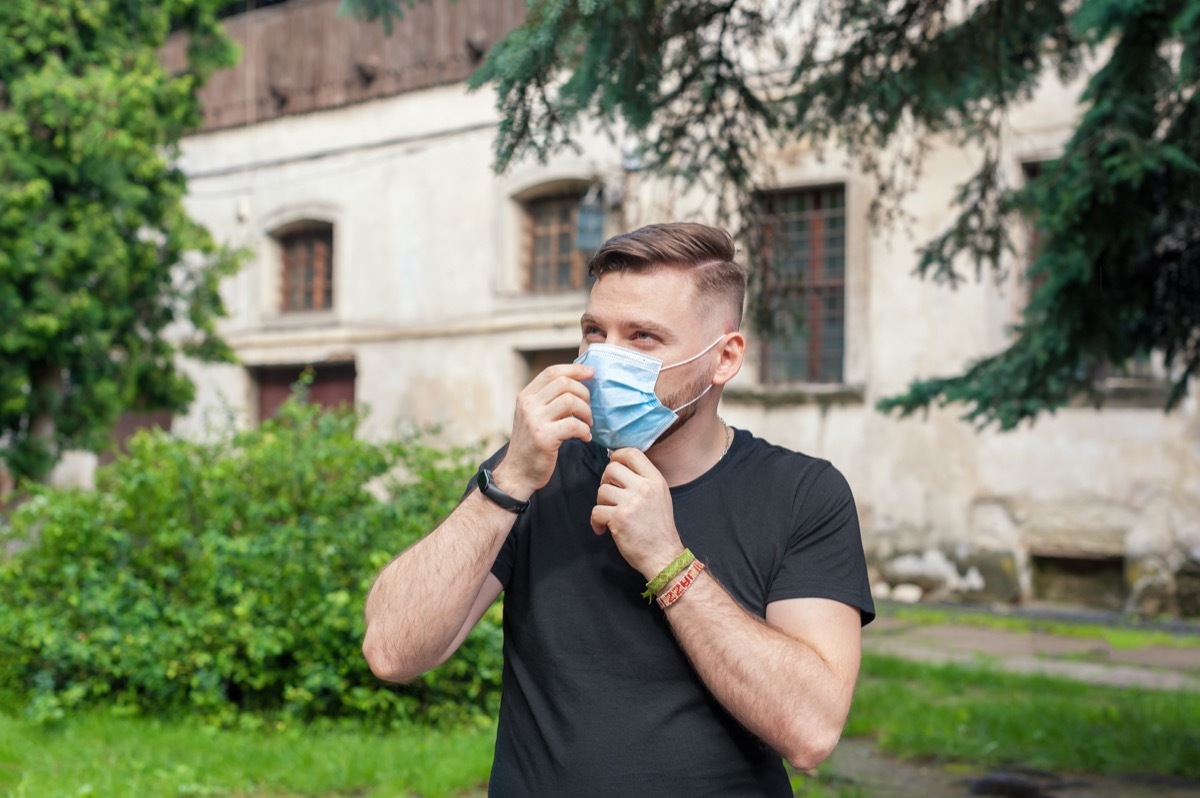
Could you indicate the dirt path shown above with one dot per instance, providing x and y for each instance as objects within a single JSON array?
[
  {"x": 1076, "y": 658},
  {"x": 859, "y": 769}
]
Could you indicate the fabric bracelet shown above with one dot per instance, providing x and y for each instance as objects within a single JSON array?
[
  {"x": 679, "y": 588},
  {"x": 667, "y": 574}
]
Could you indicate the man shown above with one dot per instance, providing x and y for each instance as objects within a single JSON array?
[{"x": 753, "y": 647}]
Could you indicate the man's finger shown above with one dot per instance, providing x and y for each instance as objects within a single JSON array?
[
  {"x": 600, "y": 516},
  {"x": 575, "y": 372},
  {"x": 570, "y": 405},
  {"x": 634, "y": 460},
  {"x": 617, "y": 474},
  {"x": 562, "y": 386},
  {"x": 564, "y": 429},
  {"x": 608, "y": 495}
]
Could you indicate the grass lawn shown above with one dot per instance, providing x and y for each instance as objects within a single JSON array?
[
  {"x": 99, "y": 755},
  {"x": 988, "y": 718}
]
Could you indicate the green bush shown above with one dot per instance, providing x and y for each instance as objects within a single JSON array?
[{"x": 228, "y": 578}]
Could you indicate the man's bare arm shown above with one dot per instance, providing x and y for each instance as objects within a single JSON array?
[
  {"x": 789, "y": 680},
  {"x": 425, "y": 601},
  {"x": 419, "y": 608}
]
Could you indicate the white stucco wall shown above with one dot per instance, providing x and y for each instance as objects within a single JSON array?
[{"x": 429, "y": 307}]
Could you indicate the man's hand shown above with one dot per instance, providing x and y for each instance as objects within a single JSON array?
[
  {"x": 551, "y": 409},
  {"x": 634, "y": 504}
]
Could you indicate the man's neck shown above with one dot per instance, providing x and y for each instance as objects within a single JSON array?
[{"x": 693, "y": 449}]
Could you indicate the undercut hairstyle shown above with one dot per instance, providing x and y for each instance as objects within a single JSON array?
[{"x": 706, "y": 253}]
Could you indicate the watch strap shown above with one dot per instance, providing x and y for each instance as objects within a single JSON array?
[{"x": 487, "y": 486}]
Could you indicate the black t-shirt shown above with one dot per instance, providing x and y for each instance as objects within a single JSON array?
[{"x": 598, "y": 697}]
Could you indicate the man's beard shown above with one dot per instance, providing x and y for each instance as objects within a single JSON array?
[{"x": 681, "y": 397}]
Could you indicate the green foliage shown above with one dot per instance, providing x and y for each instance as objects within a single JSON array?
[
  {"x": 227, "y": 578},
  {"x": 710, "y": 87},
  {"x": 98, "y": 257},
  {"x": 388, "y": 12},
  {"x": 1118, "y": 216}
]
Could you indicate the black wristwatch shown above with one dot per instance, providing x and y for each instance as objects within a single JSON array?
[{"x": 488, "y": 488}]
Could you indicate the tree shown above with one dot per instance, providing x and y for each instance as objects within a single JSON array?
[
  {"x": 98, "y": 258},
  {"x": 710, "y": 85}
]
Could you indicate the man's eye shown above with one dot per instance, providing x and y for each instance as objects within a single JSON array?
[{"x": 644, "y": 336}]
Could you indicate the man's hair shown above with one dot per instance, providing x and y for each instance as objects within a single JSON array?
[{"x": 706, "y": 253}]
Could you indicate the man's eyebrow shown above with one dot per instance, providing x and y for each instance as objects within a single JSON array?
[{"x": 645, "y": 325}]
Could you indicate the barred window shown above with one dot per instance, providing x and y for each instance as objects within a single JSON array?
[
  {"x": 1032, "y": 170},
  {"x": 804, "y": 247}
]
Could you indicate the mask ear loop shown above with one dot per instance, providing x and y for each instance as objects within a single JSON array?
[
  {"x": 699, "y": 354},
  {"x": 689, "y": 360},
  {"x": 693, "y": 401}
]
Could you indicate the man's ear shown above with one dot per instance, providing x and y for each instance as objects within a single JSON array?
[{"x": 732, "y": 352}]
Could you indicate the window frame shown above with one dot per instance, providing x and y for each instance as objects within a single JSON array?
[
  {"x": 811, "y": 288},
  {"x": 554, "y": 196},
  {"x": 332, "y": 384},
  {"x": 321, "y": 285},
  {"x": 538, "y": 359}
]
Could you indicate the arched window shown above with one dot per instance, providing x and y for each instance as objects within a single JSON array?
[{"x": 306, "y": 261}]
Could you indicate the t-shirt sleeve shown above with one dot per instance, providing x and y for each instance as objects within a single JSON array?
[
  {"x": 824, "y": 555},
  {"x": 502, "y": 567}
]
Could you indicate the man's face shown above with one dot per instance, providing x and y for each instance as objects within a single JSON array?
[{"x": 658, "y": 314}]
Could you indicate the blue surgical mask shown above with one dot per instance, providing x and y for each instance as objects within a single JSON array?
[{"x": 625, "y": 409}]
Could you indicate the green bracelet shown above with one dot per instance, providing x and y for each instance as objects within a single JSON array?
[{"x": 667, "y": 574}]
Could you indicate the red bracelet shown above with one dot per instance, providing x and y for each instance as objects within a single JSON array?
[{"x": 676, "y": 591}]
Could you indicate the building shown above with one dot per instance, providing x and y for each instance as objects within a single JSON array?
[{"x": 393, "y": 263}]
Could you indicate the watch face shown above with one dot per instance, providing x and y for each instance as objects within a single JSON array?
[{"x": 488, "y": 488}]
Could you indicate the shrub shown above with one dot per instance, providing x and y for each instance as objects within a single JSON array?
[{"x": 228, "y": 578}]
